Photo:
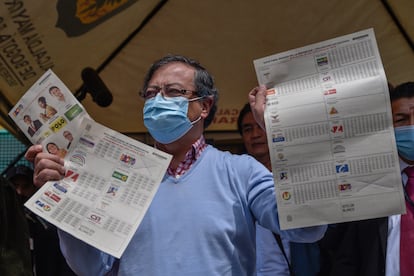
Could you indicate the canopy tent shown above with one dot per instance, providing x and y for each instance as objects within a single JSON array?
[{"x": 120, "y": 39}]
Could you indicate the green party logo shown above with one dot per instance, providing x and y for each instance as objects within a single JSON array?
[{"x": 120, "y": 176}]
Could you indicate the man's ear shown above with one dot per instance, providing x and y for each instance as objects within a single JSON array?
[{"x": 206, "y": 104}]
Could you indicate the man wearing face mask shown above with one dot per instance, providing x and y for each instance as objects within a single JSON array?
[
  {"x": 384, "y": 246},
  {"x": 202, "y": 218}
]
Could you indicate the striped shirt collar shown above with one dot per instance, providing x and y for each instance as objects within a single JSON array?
[{"x": 191, "y": 156}]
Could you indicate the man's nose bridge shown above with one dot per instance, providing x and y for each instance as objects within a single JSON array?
[{"x": 257, "y": 130}]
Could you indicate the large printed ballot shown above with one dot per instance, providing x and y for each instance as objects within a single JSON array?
[
  {"x": 110, "y": 178},
  {"x": 329, "y": 127}
]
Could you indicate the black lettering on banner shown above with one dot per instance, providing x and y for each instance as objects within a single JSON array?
[
  {"x": 2, "y": 24},
  {"x": 14, "y": 5},
  {"x": 26, "y": 29},
  {"x": 25, "y": 26},
  {"x": 7, "y": 76},
  {"x": 34, "y": 44},
  {"x": 4, "y": 38},
  {"x": 13, "y": 54}
]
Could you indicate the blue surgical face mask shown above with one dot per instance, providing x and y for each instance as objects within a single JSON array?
[
  {"x": 166, "y": 118},
  {"x": 404, "y": 136}
]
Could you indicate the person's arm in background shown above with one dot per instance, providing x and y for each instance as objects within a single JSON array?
[{"x": 82, "y": 258}]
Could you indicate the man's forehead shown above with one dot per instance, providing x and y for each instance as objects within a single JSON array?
[
  {"x": 403, "y": 102},
  {"x": 248, "y": 118}
]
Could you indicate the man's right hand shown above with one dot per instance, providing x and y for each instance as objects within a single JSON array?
[{"x": 47, "y": 167}]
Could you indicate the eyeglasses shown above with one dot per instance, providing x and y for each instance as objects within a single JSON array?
[{"x": 168, "y": 91}]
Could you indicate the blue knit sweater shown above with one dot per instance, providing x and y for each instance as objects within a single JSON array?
[{"x": 202, "y": 223}]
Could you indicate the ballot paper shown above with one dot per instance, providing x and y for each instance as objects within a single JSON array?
[
  {"x": 110, "y": 179},
  {"x": 329, "y": 127}
]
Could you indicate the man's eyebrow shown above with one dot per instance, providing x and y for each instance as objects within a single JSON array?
[
  {"x": 247, "y": 124},
  {"x": 400, "y": 114}
]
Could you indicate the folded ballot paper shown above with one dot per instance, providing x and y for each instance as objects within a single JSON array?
[
  {"x": 110, "y": 178},
  {"x": 330, "y": 133}
]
